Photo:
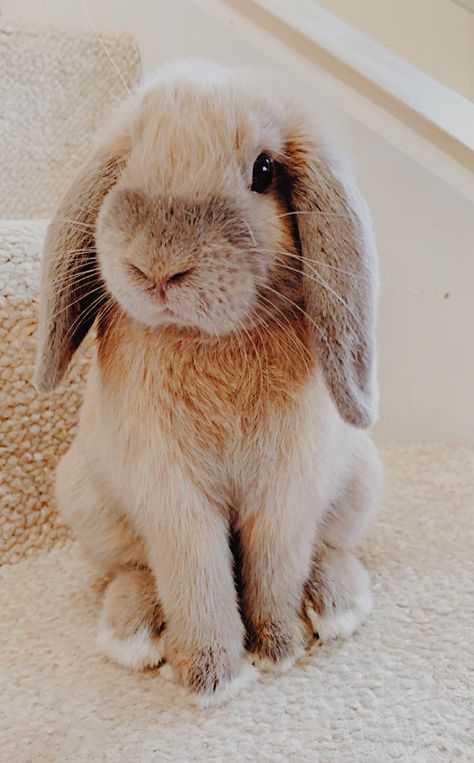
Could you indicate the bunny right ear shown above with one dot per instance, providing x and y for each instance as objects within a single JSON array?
[
  {"x": 71, "y": 289},
  {"x": 340, "y": 274}
]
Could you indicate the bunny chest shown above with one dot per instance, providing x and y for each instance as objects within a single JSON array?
[{"x": 204, "y": 403}]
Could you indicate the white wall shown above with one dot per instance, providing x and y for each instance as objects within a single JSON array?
[
  {"x": 425, "y": 229},
  {"x": 435, "y": 35}
]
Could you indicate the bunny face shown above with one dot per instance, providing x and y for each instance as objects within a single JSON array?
[
  {"x": 192, "y": 233},
  {"x": 211, "y": 206}
]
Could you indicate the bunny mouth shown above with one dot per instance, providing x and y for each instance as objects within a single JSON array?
[{"x": 162, "y": 307}]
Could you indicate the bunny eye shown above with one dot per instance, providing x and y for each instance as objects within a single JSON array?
[{"x": 262, "y": 174}]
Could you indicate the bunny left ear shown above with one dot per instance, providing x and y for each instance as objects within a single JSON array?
[
  {"x": 340, "y": 276},
  {"x": 71, "y": 289}
]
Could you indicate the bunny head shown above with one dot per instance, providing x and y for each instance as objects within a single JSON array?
[{"x": 212, "y": 204}]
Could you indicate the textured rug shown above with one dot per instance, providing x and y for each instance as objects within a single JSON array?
[
  {"x": 400, "y": 690},
  {"x": 35, "y": 430}
]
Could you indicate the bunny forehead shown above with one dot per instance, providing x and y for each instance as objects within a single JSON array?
[
  {"x": 200, "y": 124},
  {"x": 236, "y": 99}
]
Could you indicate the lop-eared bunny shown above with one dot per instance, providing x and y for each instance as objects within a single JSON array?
[{"x": 228, "y": 263}]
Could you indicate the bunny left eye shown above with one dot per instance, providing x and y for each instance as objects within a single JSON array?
[{"x": 262, "y": 174}]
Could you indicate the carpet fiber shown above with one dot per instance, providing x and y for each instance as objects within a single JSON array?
[
  {"x": 401, "y": 689},
  {"x": 57, "y": 86},
  {"x": 35, "y": 430}
]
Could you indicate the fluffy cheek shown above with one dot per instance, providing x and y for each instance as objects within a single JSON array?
[
  {"x": 113, "y": 253},
  {"x": 218, "y": 298},
  {"x": 226, "y": 297},
  {"x": 221, "y": 294},
  {"x": 133, "y": 300}
]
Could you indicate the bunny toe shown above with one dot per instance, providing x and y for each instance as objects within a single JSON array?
[
  {"x": 136, "y": 651},
  {"x": 132, "y": 624}
]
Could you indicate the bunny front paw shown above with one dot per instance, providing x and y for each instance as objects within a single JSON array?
[
  {"x": 337, "y": 596},
  {"x": 274, "y": 645},
  {"x": 132, "y": 624},
  {"x": 210, "y": 675}
]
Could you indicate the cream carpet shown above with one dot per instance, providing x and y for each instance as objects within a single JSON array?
[{"x": 400, "y": 690}]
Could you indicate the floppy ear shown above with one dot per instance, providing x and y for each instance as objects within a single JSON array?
[
  {"x": 71, "y": 288},
  {"x": 340, "y": 276}
]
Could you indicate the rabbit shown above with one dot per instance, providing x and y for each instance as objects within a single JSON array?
[{"x": 227, "y": 262}]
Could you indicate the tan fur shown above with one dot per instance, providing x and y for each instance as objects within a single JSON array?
[
  {"x": 218, "y": 383},
  {"x": 65, "y": 314},
  {"x": 340, "y": 269},
  {"x": 106, "y": 533},
  {"x": 227, "y": 368}
]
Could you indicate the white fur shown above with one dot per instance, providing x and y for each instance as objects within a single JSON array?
[
  {"x": 268, "y": 666},
  {"x": 246, "y": 676},
  {"x": 136, "y": 652},
  {"x": 341, "y": 623}
]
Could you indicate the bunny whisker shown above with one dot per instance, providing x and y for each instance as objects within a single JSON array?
[
  {"x": 109, "y": 309},
  {"x": 247, "y": 225},
  {"x": 258, "y": 327},
  {"x": 81, "y": 317},
  {"x": 77, "y": 224},
  {"x": 303, "y": 312},
  {"x": 80, "y": 276},
  {"x": 324, "y": 284},
  {"x": 243, "y": 353},
  {"x": 257, "y": 356},
  {"x": 91, "y": 310},
  {"x": 83, "y": 250},
  {"x": 104, "y": 46},
  {"x": 70, "y": 303},
  {"x": 297, "y": 257},
  {"x": 254, "y": 327},
  {"x": 64, "y": 271},
  {"x": 294, "y": 340},
  {"x": 320, "y": 212},
  {"x": 299, "y": 346}
]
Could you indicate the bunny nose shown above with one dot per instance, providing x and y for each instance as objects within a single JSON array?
[
  {"x": 164, "y": 283},
  {"x": 177, "y": 277}
]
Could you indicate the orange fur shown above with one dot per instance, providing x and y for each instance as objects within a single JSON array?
[{"x": 218, "y": 381}]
